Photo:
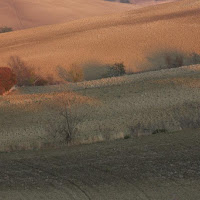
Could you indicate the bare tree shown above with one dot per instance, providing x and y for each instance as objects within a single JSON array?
[
  {"x": 63, "y": 126},
  {"x": 68, "y": 126}
]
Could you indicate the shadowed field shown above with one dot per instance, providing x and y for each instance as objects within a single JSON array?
[
  {"x": 163, "y": 166},
  {"x": 108, "y": 108}
]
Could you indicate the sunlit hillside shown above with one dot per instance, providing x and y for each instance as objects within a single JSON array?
[
  {"x": 21, "y": 14},
  {"x": 128, "y": 37}
]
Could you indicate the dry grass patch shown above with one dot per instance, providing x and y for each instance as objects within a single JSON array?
[
  {"x": 108, "y": 108},
  {"x": 186, "y": 81}
]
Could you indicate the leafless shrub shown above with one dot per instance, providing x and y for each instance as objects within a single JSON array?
[
  {"x": 64, "y": 127},
  {"x": 26, "y": 75},
  {"x": 62, "y": 73},
  {"x": 76, "y": 73}
]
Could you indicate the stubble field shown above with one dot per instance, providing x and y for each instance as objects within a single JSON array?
[{"x": 107, "y": 109}]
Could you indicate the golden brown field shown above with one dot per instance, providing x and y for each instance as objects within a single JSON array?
[
  {"x": 108, "y": 108},
  {"x": 22, "y": 14},
  {"x": 128, "y": 37}
]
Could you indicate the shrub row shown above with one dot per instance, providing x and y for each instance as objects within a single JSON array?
[
  {"x": 26, "y": 75},
  {"x": 5, "y": 29}
]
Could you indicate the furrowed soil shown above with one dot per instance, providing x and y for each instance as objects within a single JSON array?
[{"x": 160, "y": 166}]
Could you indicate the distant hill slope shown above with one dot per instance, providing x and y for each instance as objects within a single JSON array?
[
  {"x": 128, "y": 37},
  {"x": 21, "y": 14}
]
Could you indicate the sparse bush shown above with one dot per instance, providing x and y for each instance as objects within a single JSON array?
[
  {"x": 127, "y": 137},
  {"x": 62, "y": 73},
  {"x": 26, "y": 75},
  {"x": 166, "y": 60},
  {"x": 148, "y": 129},
  {"x": 138, "y": 130},
  {"x": 95, "y": 70},
  {"x": 90, "y": 71},
  {"x": 159, "y": 131},
  {"x": 189, "y": 122},
  {"x": 188, "y": 115},
  {"x": 194, "y": 59},
  {"x": 65, "y": 127},
  {"x": 5, "y": 29},
  {"x": 172, "y": 59},
  {"x": 118, "y": 69},
  {"x": 76, "y": 73}
]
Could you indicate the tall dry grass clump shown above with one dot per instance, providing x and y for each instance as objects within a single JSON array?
[{"x": 76, "y": 73}]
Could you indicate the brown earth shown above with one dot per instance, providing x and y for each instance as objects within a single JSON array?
[
  {"x": 22, "y": 14},
  {"x": 156, "y": 167},
  {"x": 128, "y": 37}
]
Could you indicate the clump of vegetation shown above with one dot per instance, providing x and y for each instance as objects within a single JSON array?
[
  {"x": 172, "y": 59},
  {"x": 148, "y": 129},
  {"x": 7, "y": 79},
  {"x": 125, "y": 1},
  {"x": 76, "y": 73},
  {"x": 159, "y": 131},
  {"x": 95, "y": 70},
  {"x": 127, "y": 137},
  {"x": 194, "y": 59},
  {"x": 189, "y": 122},
  {"x": 65, "y": 128},
  {"x": 118, "y": 69},
  {"x": 5, "y": 29},
  {"x": 90, "y": 71},
  {"x": 26, "y": 75}
]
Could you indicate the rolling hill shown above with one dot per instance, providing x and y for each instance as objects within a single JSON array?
[
  {"x": 21, "y": 14},
  {"x": 128, "y": 37}
]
